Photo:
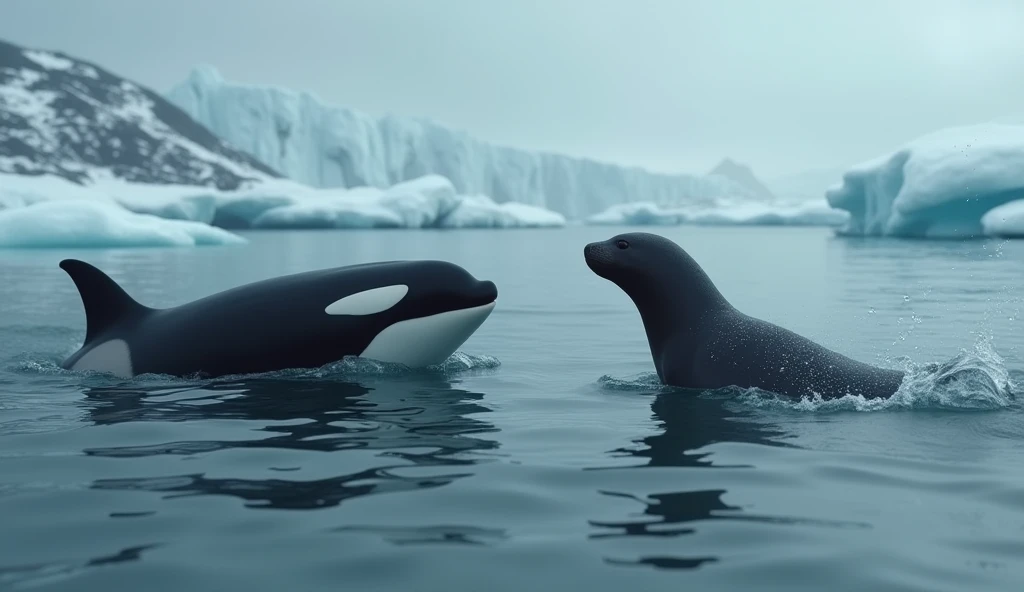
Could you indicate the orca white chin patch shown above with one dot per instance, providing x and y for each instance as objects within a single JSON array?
[
  {"x": 368, "y": 302},
  {"x": 427, "y": 341},
  {"x": 112, "y": 356}
]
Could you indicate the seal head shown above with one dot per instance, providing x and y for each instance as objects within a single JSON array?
[{"x": 657, "y": 274}]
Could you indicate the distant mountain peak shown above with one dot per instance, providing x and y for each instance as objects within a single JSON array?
[
  {"x": 66, "y": 117},
  {"x": 743, "y": 176}
]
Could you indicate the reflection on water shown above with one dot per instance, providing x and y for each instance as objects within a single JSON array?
[
  {"x": 424, "y": 422},
  {"x": 447, "y": 534},
  {"x": 690, "y": 421},
  {"x": 717, "y": 490},
  {"x": 32, "y": 574}
]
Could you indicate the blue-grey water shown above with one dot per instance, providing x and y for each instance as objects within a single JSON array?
[{"x": 544, "y": 456}]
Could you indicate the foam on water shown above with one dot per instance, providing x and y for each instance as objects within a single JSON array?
[{"x": 347, "y": 368}]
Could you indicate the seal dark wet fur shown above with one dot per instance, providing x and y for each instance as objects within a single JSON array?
[{"x": 698, "y": 340}]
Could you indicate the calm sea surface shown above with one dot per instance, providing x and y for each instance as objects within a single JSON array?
[{"x": 545, "y": 456}]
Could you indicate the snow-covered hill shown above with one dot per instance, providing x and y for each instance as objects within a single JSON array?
[
  {"x": 332, "y": 146},
  {"x": 73, "y": 119}
]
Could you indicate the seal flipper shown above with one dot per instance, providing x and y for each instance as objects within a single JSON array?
[{"x": 105, "y": 301}]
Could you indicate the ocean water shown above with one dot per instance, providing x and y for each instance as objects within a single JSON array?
[{"x": 544, "y": 456}]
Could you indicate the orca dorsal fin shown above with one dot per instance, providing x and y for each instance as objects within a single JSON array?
[{"x": 105, "y": 301}]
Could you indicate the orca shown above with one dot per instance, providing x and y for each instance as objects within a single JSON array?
[{"x": 414, "y": 312}]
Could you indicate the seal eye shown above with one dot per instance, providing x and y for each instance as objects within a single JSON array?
[{"x": 622, "y": 244}]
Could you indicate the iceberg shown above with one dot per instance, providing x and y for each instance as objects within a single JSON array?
[
  {"x": 722, "y": 214},
  {"x": 342, "y": 213},
  {"x": 288, "y": 205},
  {"x": 480, "y": 211},
  {"x": 778, "y": 214},
  {"x": 330, "y": 146},
  {"x": 641, "y": 213},
  {"x": 100, "y": 224},
  {"x": 426, "y": 202},
  {"x": 1005, "y": 221},
  {"x": 946, "y": 184}
]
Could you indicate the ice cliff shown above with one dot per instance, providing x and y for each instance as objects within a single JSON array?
[{"x": 326, "y": 145}]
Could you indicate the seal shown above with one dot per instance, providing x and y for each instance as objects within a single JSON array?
[
  {"x": 415, "y": 313},
  {"x": 699, "y": 340}
]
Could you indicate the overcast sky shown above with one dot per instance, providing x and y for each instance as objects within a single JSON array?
[{"x": 671, "y": 85}]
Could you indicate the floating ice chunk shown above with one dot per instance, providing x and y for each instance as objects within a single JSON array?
[
  {"x": 426, "y": 202},
  {"x": 194, "y": 208},
  {"x": 637, "y": 214},
  {"x": 98, "y": 224},
  {"x": 1005, "y": 221},
  {"x": 743, "y": 213},
  {"x": 479, "y": 211},
  {"x": 938, "y": 186},
  {"x": 762, "y": 214},
  {"x": 420, "y": 202},
  {"x": 328, "y": 214},
  {"x": 22, "y": 190}
]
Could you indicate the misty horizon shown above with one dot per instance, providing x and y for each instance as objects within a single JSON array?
[{"x": 672, "y": 87}]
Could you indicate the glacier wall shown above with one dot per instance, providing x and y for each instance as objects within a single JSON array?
[
  {"x": 331, "y": 146},
  {"x": 942, "y": 185}
]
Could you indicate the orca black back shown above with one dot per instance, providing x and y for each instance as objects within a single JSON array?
[{"x": 303, "y": 320}]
